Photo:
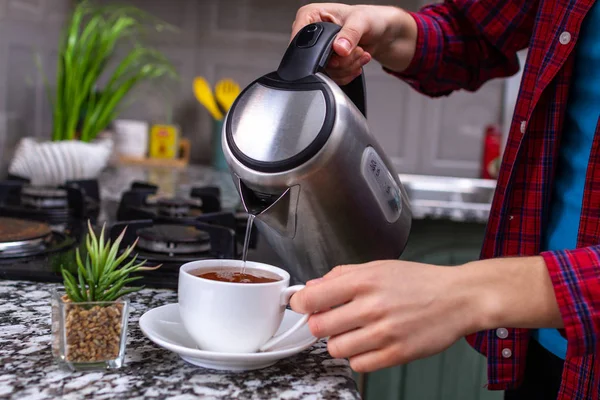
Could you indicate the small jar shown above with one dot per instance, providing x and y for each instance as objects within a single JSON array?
[{"x": 89, "y": 335}]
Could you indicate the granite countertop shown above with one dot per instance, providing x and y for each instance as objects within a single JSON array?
[{"x": 29, "y": 372}]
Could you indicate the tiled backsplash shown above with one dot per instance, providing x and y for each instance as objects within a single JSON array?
[{"x": 241, "y": 39}]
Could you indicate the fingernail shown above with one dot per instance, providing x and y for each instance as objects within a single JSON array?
[
  {"x": 313, "y": 281},
  {"x": 365, "y": 59},
  {"x": 345, "y": 44}
]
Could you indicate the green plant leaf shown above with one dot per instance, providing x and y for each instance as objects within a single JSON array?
[
  {"x": 71, "y": 287},
  {"x": 118, "y": 286},
  {"x": 140, "y": 268},
  {"x": 126, "y": 292},
  {"x": 84, "y": 271},
  {"x": 112, "y": 254},
  {"x": 114, "y": 275},
  {"x": 101, "y": 251},
  {"x": 103, "y": 276}
]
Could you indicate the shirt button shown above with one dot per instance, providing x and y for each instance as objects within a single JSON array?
[
  {"x": 506, "y": 353},
  {"x": 502, "y": 333},
  {"x": 511, "y": 217},
  {"x": 523, "y": 126},
  {"x": 564, "y": 38}
]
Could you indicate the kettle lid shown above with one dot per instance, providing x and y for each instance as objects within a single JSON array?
[
  {"x": 275, "y": 125},
  {"x": 283, "y": 119}
]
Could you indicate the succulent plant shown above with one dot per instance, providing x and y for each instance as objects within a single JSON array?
[{"x": 102, "y": 277}]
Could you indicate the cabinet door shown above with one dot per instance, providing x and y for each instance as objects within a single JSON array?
[
  {"x": 393, "y": 115},
  {"x": 453, "y": 128},
  {"x": 459, "y": 373}
]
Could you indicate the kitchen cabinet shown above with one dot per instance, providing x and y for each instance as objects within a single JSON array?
[
  {"x": 459, "y": 373},
  {"x": 453, "y": 129},
  {"x": 421, "y": 135}
]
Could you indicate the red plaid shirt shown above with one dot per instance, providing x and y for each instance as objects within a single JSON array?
[{"x": 462, "y": 44}]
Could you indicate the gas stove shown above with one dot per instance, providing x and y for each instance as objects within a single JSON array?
[
  {"x": 143, "y": 201},
  {"x": 40, "y": 229},
  {"x": 32, "y": 250},
  {"x": 172, "y": 231},
  {"x": 57, "y": 206},
  {"x": 20, "y": 238},
  {"x": 173, "y": 244}
]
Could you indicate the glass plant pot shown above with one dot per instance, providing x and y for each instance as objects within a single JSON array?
[{"x": 88, "y": 336}]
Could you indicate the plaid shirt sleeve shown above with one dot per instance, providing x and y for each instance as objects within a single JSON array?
[
  {"x": 575, "y": 275},
  {"x": 461, "y": 44}
]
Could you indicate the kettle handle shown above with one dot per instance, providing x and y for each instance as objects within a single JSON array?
[{"x": 309, "y": 52}]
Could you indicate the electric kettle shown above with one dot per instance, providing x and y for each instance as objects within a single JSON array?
[{"x": 304, "y": 163}]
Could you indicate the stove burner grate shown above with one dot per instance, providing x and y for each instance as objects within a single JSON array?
[
  {"x": 173, "y": 239},
  {"x": 44, "y": 197},
  {"x": 173, "y": 207}
]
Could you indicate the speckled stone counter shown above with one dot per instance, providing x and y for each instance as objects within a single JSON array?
[{"x": 28, "y": 371}]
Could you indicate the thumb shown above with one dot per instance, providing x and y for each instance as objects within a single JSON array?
[{"x": 349, "y": 36}]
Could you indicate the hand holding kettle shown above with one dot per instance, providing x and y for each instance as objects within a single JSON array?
[{"x": 388, "y": 34}]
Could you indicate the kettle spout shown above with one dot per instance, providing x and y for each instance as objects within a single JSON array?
[{"x": 276, "y": 211}]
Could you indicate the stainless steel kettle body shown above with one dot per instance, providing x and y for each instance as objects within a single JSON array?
[{"x": 301, "y": 155}]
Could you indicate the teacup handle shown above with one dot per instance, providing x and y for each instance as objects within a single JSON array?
[{"x": 286, "y": 295}]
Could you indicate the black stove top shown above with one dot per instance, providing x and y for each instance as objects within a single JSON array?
[
  {"x": 173, "y": 239},
  {"x": 57, "y": 206},
  {"x": 50, "y": 223},
  {"x": 32, "y": 250},
  {"x": 40, "y": 227},
  {"x": 172, "y": 245},
  {"x": 26, "y": 239},
  {"x": 142, "y": 201}
]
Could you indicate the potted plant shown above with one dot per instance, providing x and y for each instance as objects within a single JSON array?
[
  {"x": 82, "y": 108},
  {"x": 89, "y": 316}
]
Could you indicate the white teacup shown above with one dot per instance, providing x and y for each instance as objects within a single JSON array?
[{"x": 234, "y": 317}]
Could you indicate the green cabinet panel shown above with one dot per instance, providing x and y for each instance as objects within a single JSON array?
[
  {"x": 463, "y": 378},
  {"x": 422, "y": 379},
  {"x": 442, "y": 242},
  {"x": 459, "y": 373}
]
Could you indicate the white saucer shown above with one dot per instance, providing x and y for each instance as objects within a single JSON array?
[{"x": 163, "y": 326}]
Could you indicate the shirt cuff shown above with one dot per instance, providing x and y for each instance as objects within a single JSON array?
[
  {"x": 428, "y": 51},
  {"x": 575, "y": 275}
]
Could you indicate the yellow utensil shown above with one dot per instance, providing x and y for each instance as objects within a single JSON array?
[
  {"x": 205, "y": 96},
  {"x": 226, "y": 91}
]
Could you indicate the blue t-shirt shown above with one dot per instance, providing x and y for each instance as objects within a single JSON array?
[{"x": 583, "y": 110}]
